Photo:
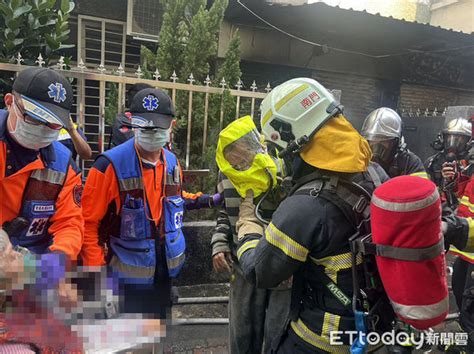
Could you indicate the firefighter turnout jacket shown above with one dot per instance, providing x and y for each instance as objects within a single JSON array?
[
  {"x": 405, "y": 163},
  {"x": 309, "y": 234}
]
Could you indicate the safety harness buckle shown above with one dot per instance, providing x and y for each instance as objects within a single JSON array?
[
  {"x": 318, "y": 187},
  {"x": 360, "y": 205}
]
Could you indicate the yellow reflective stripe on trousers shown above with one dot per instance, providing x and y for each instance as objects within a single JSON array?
[
  {"x": 321, "y": 342},
  {"x": 333, "y": 264},
  {"x": 246, "y": 246},
  {"x": 420, "y": 174},
  {"x": 285, "y": 243},
  {"x": 470, "y": 238}
]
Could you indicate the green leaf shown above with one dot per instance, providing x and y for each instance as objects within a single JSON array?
[
  {"x": 18, "y": 41},
  {"x": 72, "y": 6},
  {"x": 6, "y": 10},
  {"x": 51, "y": 3},
  {"x": 64, "y": 6},
  {"x": 15, "y": 4},
  {"x": 21, "y": 10},
  {"x": 66, "y": 46}
]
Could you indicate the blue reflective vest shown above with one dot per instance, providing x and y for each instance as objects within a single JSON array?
[{"x": 135, "y": 244}]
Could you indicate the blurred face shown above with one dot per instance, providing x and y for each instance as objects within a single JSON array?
[{"x": 240, "y": 156}]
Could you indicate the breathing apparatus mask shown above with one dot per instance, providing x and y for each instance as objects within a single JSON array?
[{"x": 383, "y": 150}]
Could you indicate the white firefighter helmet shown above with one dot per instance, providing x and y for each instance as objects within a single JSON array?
[
  {"x": 382, "y": 124},
  {"x": 294, "y": 111}
]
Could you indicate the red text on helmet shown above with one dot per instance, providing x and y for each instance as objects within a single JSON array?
[{"x": 310, "y": 99}]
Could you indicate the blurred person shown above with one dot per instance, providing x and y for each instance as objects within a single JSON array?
[{"x": 256, "y": 316}]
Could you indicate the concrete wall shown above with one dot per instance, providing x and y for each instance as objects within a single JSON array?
[
  {"x": 453, "y": 14},
  {"x": 264, "y": 45}
]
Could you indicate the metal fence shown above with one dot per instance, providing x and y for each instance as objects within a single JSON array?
[{"x": 90, "y": 114}]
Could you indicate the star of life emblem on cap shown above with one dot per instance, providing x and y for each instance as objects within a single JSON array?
[
  {"x": 150, "y": 103},
  {"x": 57, "y": 92}
]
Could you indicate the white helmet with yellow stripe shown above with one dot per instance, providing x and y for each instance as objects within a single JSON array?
[{"x": 294, "y": 111}]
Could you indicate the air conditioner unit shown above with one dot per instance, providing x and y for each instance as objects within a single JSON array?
[{"x": 144, "y": 18}]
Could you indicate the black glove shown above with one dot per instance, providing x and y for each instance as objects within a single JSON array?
[
  {"x": 15, "y": 226},
  {"x": 455, "y": 232}
]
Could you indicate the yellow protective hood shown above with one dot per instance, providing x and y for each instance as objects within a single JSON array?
[
  {"x": 257, "y": 177},
  {"x": 338, "y": 147}
]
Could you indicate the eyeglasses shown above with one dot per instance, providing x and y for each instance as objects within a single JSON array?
[{"x": 28, "y": 119}]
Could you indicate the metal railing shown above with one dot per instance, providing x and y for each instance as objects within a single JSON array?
[{"x": 103, "y": 76}]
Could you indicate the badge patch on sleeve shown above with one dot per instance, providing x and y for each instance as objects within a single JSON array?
[{"x": 77, "y": 194}]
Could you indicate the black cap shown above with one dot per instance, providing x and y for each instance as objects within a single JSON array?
[
  {"x": 151, "y": 108},
  {"x": 47, "y": 95}
]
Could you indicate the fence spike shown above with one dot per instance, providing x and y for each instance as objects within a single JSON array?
[
  {"x": 101, "y": 68},
  {"x": 61, "y": 64},
  {"x": 191, "y": 79},
  {"x": 174, "y": 77},
  {"x": 254, "y": 86},
  {"x": 207, "y": 82},
  {"x": 223, "y": 84},
  {"x": 120, "y": 70},
  {"x": 444, "y": 112},
  {"x": 435, "y": 112},
  {"x": 239, "y": 85},
  {"x": 139, "y": 72},
  {"x": 418, "y": 112},
  {"x": 81, "y": 66},
  {"x": 427, "y": 112},
  {"x": 19, "y": 59},
  {"x": 157, "y": 75},
  {"x": 40, "y": 60},
  {"x": 268, "y": 88},
  {"x": 410, "y": 113}
]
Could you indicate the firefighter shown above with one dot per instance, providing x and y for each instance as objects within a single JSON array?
[
  {"x": 383, "y": 130},
  {"x": 450, "y": 169},
  {"x": 308, "y": 236},
  {"x": 133, "y": 208},
  {"x": 454, "y": 141},
  {"x": 459, "y": 234}
]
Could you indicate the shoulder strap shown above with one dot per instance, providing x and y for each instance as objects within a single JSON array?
[{"x": 349, "y": 197}]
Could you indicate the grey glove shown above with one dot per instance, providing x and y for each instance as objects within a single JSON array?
[{"x": 455, "y": 230}]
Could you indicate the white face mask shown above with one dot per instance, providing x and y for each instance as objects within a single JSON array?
[
  {"x": 33, "y": 137},
  {"x": 152, "y": 140}
]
